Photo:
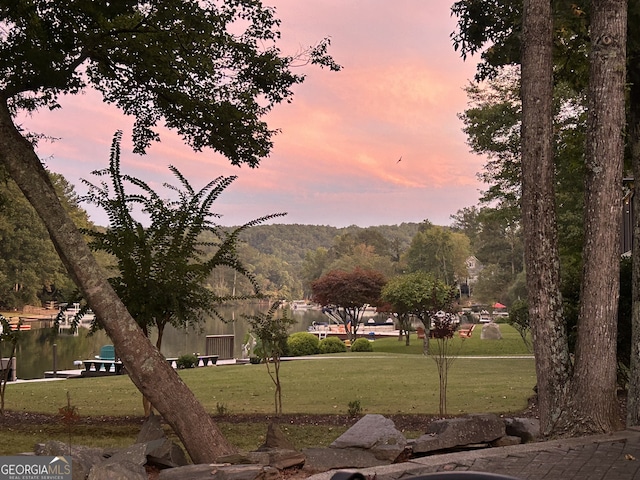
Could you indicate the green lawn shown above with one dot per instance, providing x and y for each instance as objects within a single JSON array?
[
  {"x": 393, "y": 379},
  {"x": 383, "y": 383},
  {"x": 510, "y": 344}
]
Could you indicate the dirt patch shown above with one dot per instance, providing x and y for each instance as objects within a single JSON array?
[
  {"x": 409, "y": 422},
  {"x": 16, "y": 419},
  {"x": 403, "y": 422}
]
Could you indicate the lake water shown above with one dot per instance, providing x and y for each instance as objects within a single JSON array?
[{"x": 35, "y": 351}]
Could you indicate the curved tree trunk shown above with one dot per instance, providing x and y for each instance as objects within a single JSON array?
[
  {"x": 147, "y": 368},
  {"x": 597, "y": 408},
  {"x": 539, "y": 216}
]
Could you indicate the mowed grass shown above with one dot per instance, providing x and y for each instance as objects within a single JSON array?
[
  {"x": 510, "y": 344},
  {"x": 382, "y": 383},
  {"x": 394, "y": 379}
]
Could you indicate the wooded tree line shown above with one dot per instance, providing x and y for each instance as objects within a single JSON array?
[
  {"x": 31, "y": 272},
  {"x": 283, "y": 259}
]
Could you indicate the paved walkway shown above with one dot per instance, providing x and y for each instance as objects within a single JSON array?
[{"x": 602, "y": 457}]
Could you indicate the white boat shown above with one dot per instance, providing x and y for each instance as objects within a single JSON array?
[
  {"x": 70, "y": 314},
  {"x": 302, "y": 305}
]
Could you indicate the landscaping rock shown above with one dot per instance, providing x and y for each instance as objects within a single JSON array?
[
  {"x": 220, "y": 472},
  {"x": 324, "y": 459},
  {"x": 528, "y": 429},
  {"x": 375, "y": 433},
  {"x": 244, "y": 458},
  {"x": 491, "y": 331},
  {"x": 128, "y": 463},
  {"x": 373, "y": 441},
  {"x": 276, "y": 439},
  {"x": 506, "y": 441},
  {"x": 279, "y": 450},
  {"x": 118, "y": 471},
  {"x": 167, "y": 454},
  {"x": 82, "y": 458},
  {"x": 458, "y": 432},
  {"x": 163, "y": 453},
  {"x": 151, "y": 430},
  {"x": 284, "y": 458}
]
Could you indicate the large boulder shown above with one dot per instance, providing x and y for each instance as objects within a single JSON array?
[
  {"x": 118, "y": 471},
  {"x": 491, "y": 331},
  {"x": 375, "y": 433},
  {"x": 459, "y": 432},
  {"x": 164, "y": 453},
  {"x": 151, "y": 429},
  {"x": 127, "y": 464},
  {"x": 82, "y": 458}
]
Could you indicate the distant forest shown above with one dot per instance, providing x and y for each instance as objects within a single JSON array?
[
  {"x": 285, "y": 258},
  {"x": 292, "y": 242}
]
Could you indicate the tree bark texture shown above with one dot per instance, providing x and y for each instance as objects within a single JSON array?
[
  {"x": 548, "y": 328},
  {"x": 594, "y": 403},
  {"x": 147, "y": 368},
  {"x": 633, "y": 397}
]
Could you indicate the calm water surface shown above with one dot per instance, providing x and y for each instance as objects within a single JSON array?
[{"x": 35, "y": 351}]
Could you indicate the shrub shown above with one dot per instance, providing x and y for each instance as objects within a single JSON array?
[
  {"x": 355, "y": 408},
  {"x": 361, "y": 345},
  {"x": 188, "y": 360},
  {"x": 302, "y": 343},
  {"x": 221, "y": 409},
  {"x": 332, "y": 345}
]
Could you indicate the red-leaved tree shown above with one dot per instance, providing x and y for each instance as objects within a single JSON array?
[{"x": 345, "y": 295}]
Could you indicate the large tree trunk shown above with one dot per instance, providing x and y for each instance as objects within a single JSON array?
[
  {"x": 147, "y": 368},
  {"x": 539, "y": 217},
  {"x": 595, "y": 410},
  {"x": 633, "y": 397}
]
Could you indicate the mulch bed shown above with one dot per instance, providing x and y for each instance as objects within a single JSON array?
[{"x": 409, "y": 422}]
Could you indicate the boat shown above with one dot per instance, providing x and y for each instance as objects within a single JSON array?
[
  {"x": 368, "y": 330},
  {"x": 17, "y": 325},
  {"x": 70, "y": 313},
  {"x": 302, "y": 305}
]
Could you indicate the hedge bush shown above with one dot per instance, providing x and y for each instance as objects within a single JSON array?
[
  {"x": 362, "y": 345},
  {"x": 303, "y": 343},
  {"x": 332, "y": 345},
  {"x": 188, "y": 360}
]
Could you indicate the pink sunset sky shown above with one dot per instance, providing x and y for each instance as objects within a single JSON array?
[{"x": 335, "y": 161}]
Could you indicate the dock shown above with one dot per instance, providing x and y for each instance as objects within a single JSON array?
[
  {"x": 369, "y": 331},
  {"x": 78, "y": 373}
]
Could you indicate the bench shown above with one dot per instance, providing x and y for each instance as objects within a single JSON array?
[
  {"x": 207, "y": 360},
  {"x": 104, "y": 367},
  {"x": 203, "y": 361},
  {"x": 466, "y": 332}
]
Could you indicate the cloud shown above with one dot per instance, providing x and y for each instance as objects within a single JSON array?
[{"x": 335, "y": 160}]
